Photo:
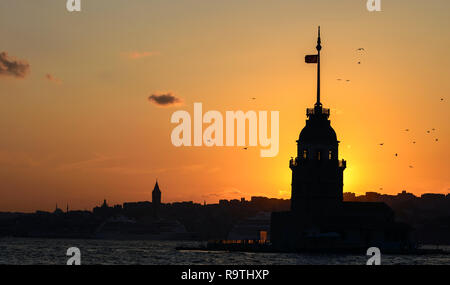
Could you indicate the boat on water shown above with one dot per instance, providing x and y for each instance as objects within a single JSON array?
[{"x": 268, "y": 247}]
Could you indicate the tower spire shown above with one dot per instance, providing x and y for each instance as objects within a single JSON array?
[{"x": 318, "y": 47}]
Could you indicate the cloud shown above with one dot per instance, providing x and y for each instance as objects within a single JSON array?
[
  {"x": 50, "y": 77},
  {"x": 138, "y": 55},
  {"x": 165, "y": 100},
  {"x": 225, "y": 193},
  {"x": 10, "y": 66}
]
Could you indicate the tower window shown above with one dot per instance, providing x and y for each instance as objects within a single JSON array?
[
  {"x": 318, "y": 155},
  {"x": 305, "y": 154},
  {"x": 330, "y": 154}
]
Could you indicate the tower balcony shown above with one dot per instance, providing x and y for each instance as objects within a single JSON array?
[
  {"x": 315, "y": 111},
  {"x": 294, "y": 162}
]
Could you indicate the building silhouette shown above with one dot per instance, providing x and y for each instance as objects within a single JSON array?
[
  {"x": 317, "y": 174},
  {"x": 319, "y": 218},
  {"x": 58, "y": 211},
  {"x": 156, "y": 199}
]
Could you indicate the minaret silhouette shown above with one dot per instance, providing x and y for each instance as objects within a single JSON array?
[{"x": 317, "y": 174}]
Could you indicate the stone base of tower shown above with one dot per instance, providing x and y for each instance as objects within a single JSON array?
[{"x": 354, "y": 227}]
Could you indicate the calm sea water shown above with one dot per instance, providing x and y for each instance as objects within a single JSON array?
[{"x": 53, "y": 251}]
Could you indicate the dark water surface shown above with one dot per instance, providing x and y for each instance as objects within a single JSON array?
[{"x": 53, "y": 251}]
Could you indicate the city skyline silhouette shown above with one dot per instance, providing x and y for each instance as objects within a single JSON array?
[{"x": 86, "y": 113}]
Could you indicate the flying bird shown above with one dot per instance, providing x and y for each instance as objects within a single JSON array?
[
  {"x": 348, "y": 80},
  {"x": 253, "y": 98},
  {"x": 338, "y": 79},
  {"x": 410, "y": 166},
  {"x": 428, "y": 132},
  {"x": 406, "y": 130},
  {"x": 245, "y": 148},
  {"x": 442, "y": 99},
  {"x": 414, "y": 142},
  {"x": 396, "y": 154},
  {"x": 381, "y": 144},
  {"x": 436, "y": 139},
  {"x": 361, "y": 49},
  {"x": 359, "y": 62}
]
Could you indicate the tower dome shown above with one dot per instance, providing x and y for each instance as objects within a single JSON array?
[{"x": 317, "y": 131}]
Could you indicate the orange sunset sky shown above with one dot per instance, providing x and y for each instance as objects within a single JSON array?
[{"x": 76, "y": 125}]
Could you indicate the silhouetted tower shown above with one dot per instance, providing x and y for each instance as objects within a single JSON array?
[
  {"x": 317, "y": 174},
  {"x": 57, "y": 210},
  {"x": 156, "y": 199}
]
